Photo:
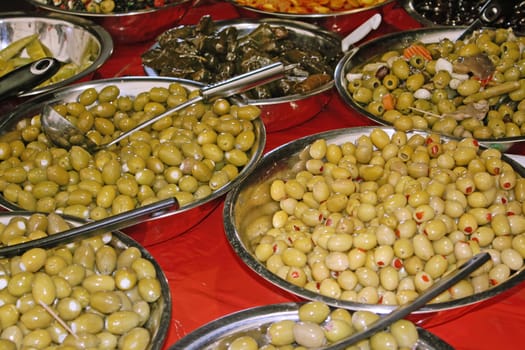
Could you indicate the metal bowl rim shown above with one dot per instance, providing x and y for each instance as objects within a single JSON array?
[
  {"x": 273, "y": 157},
  {"x": 102, "y": 36},
  {"x": 162, "y": 331},
  {"x": 291, "y": 24},
  {"x": 342, "y": 65},
  {"x": 105, "y": 15},
  {"x": 205, "y": 336},
  {"x": 310, "y": 15},
  {"x": 57, "y": 94}
]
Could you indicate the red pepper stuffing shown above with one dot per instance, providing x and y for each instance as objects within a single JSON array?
[
  {"x": 420, "y": 215},
  {"x": 398, "y": 263}
]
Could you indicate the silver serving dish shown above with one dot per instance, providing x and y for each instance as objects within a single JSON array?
[
  {"x": 281, "y": 113},
  {"x": 341, "y": 22},
  {"x": 70, "y": 39},
  {"x": 369, "y": 50},
  {"x": 159, "y": 228},
  {"x": 159, "y": 321},
  {"x": 129, "y": 27},
  {"x": 254, "y": 321},
  {"x": 283, "y": 162}
]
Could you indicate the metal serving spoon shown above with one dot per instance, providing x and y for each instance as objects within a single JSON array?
[
  {"x": 111, "y": 223},
  {"x": 403, "y": 311},
  {"x": 64, "y": 134}
]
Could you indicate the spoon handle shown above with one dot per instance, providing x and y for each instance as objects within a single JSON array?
[
  {"x": 224, "y": 88},
  {"x": 93, "y": 228},
  {"x": 27, "y": 77},
  {"x": 403, "y": 311},
  {"x": 244, "y": 82}
]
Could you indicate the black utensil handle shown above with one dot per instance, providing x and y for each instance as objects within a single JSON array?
[
  {"x": 488, "y": 13},
  {"x": 28, "y": 76},
  {"x": 93, "y": 228}
]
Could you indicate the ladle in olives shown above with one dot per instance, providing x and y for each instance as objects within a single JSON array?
[{"x": 65, "y": 134}]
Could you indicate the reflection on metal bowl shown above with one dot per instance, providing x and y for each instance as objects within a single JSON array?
[
  {"x": 340, "y": 22},
  {"x": 255, "y": 321},
  {"x": 130, "y": 27},
  {"x": 249, "y": 211},
  {"x": 371, "y": 50},
  {"x": 277, "y": 113},
  {"x": 190, "y": 213},
  {"x": 159, "y": 311},
  {"x": 69, "y": 39}
]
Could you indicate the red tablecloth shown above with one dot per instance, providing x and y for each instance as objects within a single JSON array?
[{"x": 208, "y": 280}]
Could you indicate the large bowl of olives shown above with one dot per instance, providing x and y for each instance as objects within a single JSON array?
[
  {"x": 212, "y": 51},
  {"x": 350, "y": 217},
  {"x": 426, "y": 79},
  {"x": 105, "y": 291},
  {"x": 195, "y": 155}
]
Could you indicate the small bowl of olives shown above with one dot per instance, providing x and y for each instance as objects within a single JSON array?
[
  {"x": 211, "y": 51},
  {"x": 303, "y": 325},
  {"x": 100, "y": 292},
  {"x": 425, "y": 79},
  {"x": 350, "y": 217},
  {"x": 126, "y": 21},
  {"x": 195, "y": 155}
]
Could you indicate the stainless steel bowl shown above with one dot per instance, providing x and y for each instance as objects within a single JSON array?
[
  {"x": 281, "y": 113},
  {"x": 129, "y": 27},
  {"x": 70, "y": 40},
  {"x": 161, "y": 227},
  {"x": 376, "y": 47},
  {"x": 341, "y": 22},
  {"x": 160, "y": 310},
  {"x": 250, "y": 204},
  {"x": 255, "y": 321}
]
